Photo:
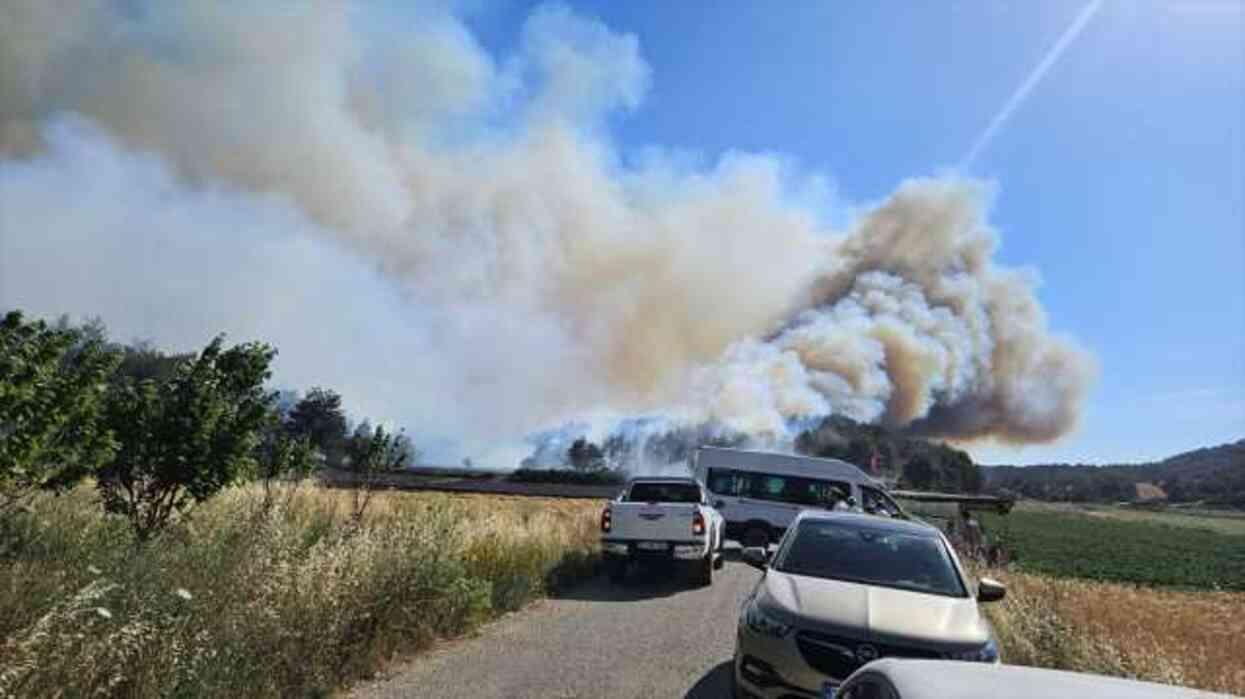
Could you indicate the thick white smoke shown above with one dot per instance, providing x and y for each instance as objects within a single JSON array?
[{"x": 451, "y": 239}]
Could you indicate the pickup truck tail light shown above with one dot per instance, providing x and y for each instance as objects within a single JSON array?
[
  {"x": 698, "y": 523},
  {"x": 606, "y": 520}
]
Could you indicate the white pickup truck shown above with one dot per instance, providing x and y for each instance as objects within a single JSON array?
[{"x": 662, "y": 520}]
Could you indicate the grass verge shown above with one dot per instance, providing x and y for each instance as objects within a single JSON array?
[
  {"x": 1176, "y": 637},
  {"x": 294, "y": 601}
]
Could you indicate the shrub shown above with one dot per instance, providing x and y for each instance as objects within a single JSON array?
[
  {"x": 51, "y": 384},
  {"x": 181, "y": 441}
]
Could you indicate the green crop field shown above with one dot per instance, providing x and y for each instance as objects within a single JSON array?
[{"x": 1138, "y": 550}]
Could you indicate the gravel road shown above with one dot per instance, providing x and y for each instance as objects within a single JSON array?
[{"x": 652, "y": 637}]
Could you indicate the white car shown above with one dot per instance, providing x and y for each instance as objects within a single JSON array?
[
  {"x": 893, "y": 678},
  {"x": 662, "y": 520}
]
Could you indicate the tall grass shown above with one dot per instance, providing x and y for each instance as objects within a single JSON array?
[
  {"x": 1195, "y": 639},
  {"x": 292, "y": 601}
]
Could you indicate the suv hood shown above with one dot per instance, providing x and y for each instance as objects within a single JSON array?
[{"x": 871, "y": 612}]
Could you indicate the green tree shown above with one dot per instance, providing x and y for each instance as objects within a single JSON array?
[
  {"x": 280, "y": 456},
  {"x": 52, "y": 381},
  {"x": 969, "y": 473},
  {"x": 183, "y": 440},
  {"x": 319, "y": 417},
  {"x": 919, "y": 473},
  {"x": 142, "y": 362},
  {"x": 371, "y": 453}
]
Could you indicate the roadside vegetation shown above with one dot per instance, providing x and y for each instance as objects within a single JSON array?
[
  {"x": 1176, "y": 637},
  {"x": 296, "y": 597},
  {"x": 155, "y": 539}
]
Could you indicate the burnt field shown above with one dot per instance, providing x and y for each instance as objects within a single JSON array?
[{"x": 473, "y": 482}]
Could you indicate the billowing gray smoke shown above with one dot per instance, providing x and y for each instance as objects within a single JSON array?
[{"x": 451, "y": 239}]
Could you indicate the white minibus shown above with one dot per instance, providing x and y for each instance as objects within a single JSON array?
[{"x": 759, "y": 493}]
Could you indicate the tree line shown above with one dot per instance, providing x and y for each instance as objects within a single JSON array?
[
  {"x": 907, "y": 461},
  {"x": 158, "y": 433}
]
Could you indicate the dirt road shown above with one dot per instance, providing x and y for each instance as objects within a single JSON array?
[{"x": 650, "y": 638}]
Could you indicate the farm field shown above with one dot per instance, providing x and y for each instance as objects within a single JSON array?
[
  {"x": 1219, "y": 521},
  {"x": 1120, "y": 546}
]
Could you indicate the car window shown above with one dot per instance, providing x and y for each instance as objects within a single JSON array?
[
  {"x": 724, "y": 481},
  {"x": 875, "y": 501},
  {"x": 664, "y": 492},
  {"x": 872, "y": 556},
  {"x": 814, "y": 492}
]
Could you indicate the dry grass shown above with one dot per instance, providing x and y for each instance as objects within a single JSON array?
[
  {"x": 1195, "y": 639},
  {"x": 294, "y": 601}
]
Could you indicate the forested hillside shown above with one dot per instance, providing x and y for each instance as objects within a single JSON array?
[{"x": 1213, "y": 475}]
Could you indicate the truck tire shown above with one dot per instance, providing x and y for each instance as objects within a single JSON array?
[
  {"x": 704, "y": 570},
  {"x": 616, "y": 569},
  {"x": 719, "y": 553},
  {"x": 756, "y": 535}
]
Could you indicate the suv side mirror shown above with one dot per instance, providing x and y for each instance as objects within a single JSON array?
[
  {"x": 756, "y": 557},
  {"x": 990, "y": 590},
  {"x": 719, "y": 504}
]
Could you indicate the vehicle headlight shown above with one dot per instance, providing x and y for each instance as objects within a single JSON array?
[
  {"x": 762, "y": 623},
  {"x": 989, "y": 653}
]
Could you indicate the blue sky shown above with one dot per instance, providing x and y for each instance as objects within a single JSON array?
[{"x": 1119, "y": 177}]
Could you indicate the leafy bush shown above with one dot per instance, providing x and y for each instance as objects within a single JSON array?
[
  {"x": 51, "y": 385},
  {"x": 182, "y": 440}
]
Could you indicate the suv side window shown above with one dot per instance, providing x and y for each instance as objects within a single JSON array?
[
  {"x": 768, "y": 487},
  {"x": 723, "y": 481}
]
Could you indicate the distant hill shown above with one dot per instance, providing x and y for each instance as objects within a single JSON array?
[{"x": 1214, "y": 475}]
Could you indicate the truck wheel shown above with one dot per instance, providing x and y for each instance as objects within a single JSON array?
[
  {"x": 719, "y": 557},
  {"x": 756, "y": 537},
  {"x": 617, "y": 571},
  {"x": 704, "y": 570}
]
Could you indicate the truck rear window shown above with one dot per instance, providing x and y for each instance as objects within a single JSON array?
[{"x": 664, "y": 492}]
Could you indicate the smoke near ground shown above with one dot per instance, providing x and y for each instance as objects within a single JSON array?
[{"x": 452, "y": 239}]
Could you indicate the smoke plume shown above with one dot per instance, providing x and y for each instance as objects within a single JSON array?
[{"x": 452, "y": 239}]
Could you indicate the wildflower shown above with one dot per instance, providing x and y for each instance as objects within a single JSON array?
[
  {"x": 184, "y": 594},
  {"x": 103, "y": 612},
  {"x": 93, "y": 570}
]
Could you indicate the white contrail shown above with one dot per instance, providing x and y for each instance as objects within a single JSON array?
[{"x": 1039, "y": 72}]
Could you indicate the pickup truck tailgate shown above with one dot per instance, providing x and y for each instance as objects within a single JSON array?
[{"x": 655, "y": 522}]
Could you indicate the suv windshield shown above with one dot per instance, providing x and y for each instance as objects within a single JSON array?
[
  {"x": 664, "y": 492},
  {"x": 873, "y": 556}
]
